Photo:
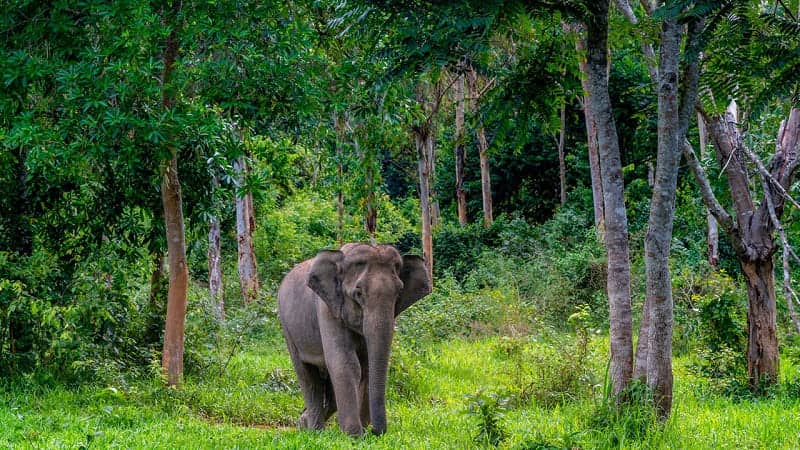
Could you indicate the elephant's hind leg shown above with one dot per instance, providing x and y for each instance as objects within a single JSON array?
[
  {"x": 315, "y": 396},
  {"x": 315, "y": 387}
]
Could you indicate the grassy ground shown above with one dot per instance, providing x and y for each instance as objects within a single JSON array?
[{"x": 435, "y": 399}]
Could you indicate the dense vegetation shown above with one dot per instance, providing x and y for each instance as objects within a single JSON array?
[{"x": 326, "y": 117}]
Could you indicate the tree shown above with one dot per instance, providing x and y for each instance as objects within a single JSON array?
[
  {"x": 460, "y": 151},
  {"x": 172, "y": 356},
  {"x": 245, "y": 223},
  {"x": 616, "y": 223},
  {"x": 428, "y": 100},
  {"x": 476, "y": 92},
  {"x": 675, "y": 112},
  {"x": 752, "y": 227},
  {"x": 215, "y": 286}
]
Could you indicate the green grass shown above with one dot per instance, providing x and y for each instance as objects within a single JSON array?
[{"x": 255, "y": 402}]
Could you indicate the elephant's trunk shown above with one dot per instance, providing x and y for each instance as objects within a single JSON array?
[{"x": 379, "y": 343}]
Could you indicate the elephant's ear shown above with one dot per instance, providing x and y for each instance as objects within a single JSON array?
[
  {"x": 416, "y": 283},
  {"x": 326, "y": 281}
]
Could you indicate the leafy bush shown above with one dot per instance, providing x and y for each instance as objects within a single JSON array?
[
  {"x": 711, "y": 314},
  {"x": 452, "y": 311},
  {"x": 487, "y": 409}
]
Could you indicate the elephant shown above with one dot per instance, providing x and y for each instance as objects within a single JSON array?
[{"x": 338, "y": 311}]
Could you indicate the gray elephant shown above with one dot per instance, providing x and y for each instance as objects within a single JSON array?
[{"x": 338, "y": 312}]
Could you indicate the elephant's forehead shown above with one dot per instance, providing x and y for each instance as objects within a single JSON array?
[{"x": 382, "y": 254}]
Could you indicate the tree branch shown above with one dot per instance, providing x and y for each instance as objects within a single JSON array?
[
  {"x": 768, "y": 176},
  {"x": 788, "y": 293},
  {"x": 627, "y": 11},
  {"x": 713, "y": 205}
]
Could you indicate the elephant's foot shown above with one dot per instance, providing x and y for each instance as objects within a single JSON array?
[
  {"x": 311, "y": 420},
  {"x": 351, "y": 427}
]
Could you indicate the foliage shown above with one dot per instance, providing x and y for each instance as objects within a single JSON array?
[
  {"x": 630, "y": 417},
  {"x": 487, "y": 409}
]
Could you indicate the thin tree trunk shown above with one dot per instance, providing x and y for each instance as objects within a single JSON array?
[
  {"x": 370, "y": 213},
  {"x": 486, "y": 177},
  {"x": 248, "y": 271},
  {"x": 562, "y": 163},
  {"x": 616, "y": 231},
  {"x": 483, "y": 147},
  {"x": 593, "y": 147},
  {"x": 431, "y": 157},
  {"x": 460, "y": 153},
  {"x": 659, "y": 230},
  {"x": 420, "y": 139},
  {"x": 430, "y": 145},
  {"x": 339, "y": 125},
  {"x": 713, "y": 227},
  {"x": 171, "y": 198},
  {"x": 215, "y": 268}
]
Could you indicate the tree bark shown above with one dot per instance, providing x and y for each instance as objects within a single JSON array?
[
  {"x": 562, "y": 163},
  {"x": 762, "y": 340},
  {"x": 593, "y": 148},
  {"x": 483, "y": 147},
  {"x": 431, "y": 159},
  {"x": 460, "y": 153},
  {"x": 215, "y": 268},
  {"x": 659, "y": 230},
  {"x": 616, "y": 231},
  {"x": 712, "y": 226},
  {"x": 339, "y": 125},
  {"x": 752, "y": 234},
  {"x": 370, "y": 213},
  {"x": 420, "y": 139},
  {"x": 172, "y": 201},
  {"x": 248, "y": 271}
]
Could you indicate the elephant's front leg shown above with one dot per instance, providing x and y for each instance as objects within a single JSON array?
[
  {"x": 340, "y": 347},
  {"x": 364, "y": 394},
  {"x": 345, "y": 373}
]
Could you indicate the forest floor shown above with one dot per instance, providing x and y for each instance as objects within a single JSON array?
[{"x": 452, "y": 394}]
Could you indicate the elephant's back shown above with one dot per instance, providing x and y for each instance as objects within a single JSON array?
[{"x": 294, "y": 286}]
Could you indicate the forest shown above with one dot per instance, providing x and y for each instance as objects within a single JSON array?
[{"x": 594, "y": 207}]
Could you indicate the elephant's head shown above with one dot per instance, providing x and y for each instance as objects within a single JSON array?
[{"x": 367, "y": 286}]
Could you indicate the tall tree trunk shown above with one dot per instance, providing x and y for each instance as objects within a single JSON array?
[
  {"x": 248, "y": 271},
  {"x": 460, "y": 153},
  {"x": 339, "y": 125},
  {"x": 215, "y": 268},
  {"x": 752, "y": 234},
  {"x": 420, "y": 139},
  {"x": 215, "y": 261},
  {"x": 483, "y": 147},
  {"x": 486, "y": 177},
  {"x": 370, "y": 213},
  {"x": 430, "y": 146},
  {"x": 593, "y": 146},
  {"x": 431, "y": 149},
  {"x": 659, "y": 230},
  {"x": 712, "y": 226},
  {"x": 616, "y": 231},
  {"x": 171, "y": 198},
  {"x": 562, "y": 162}
]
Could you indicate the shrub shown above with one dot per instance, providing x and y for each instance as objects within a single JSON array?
[{"x": 487, "y": 409}]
